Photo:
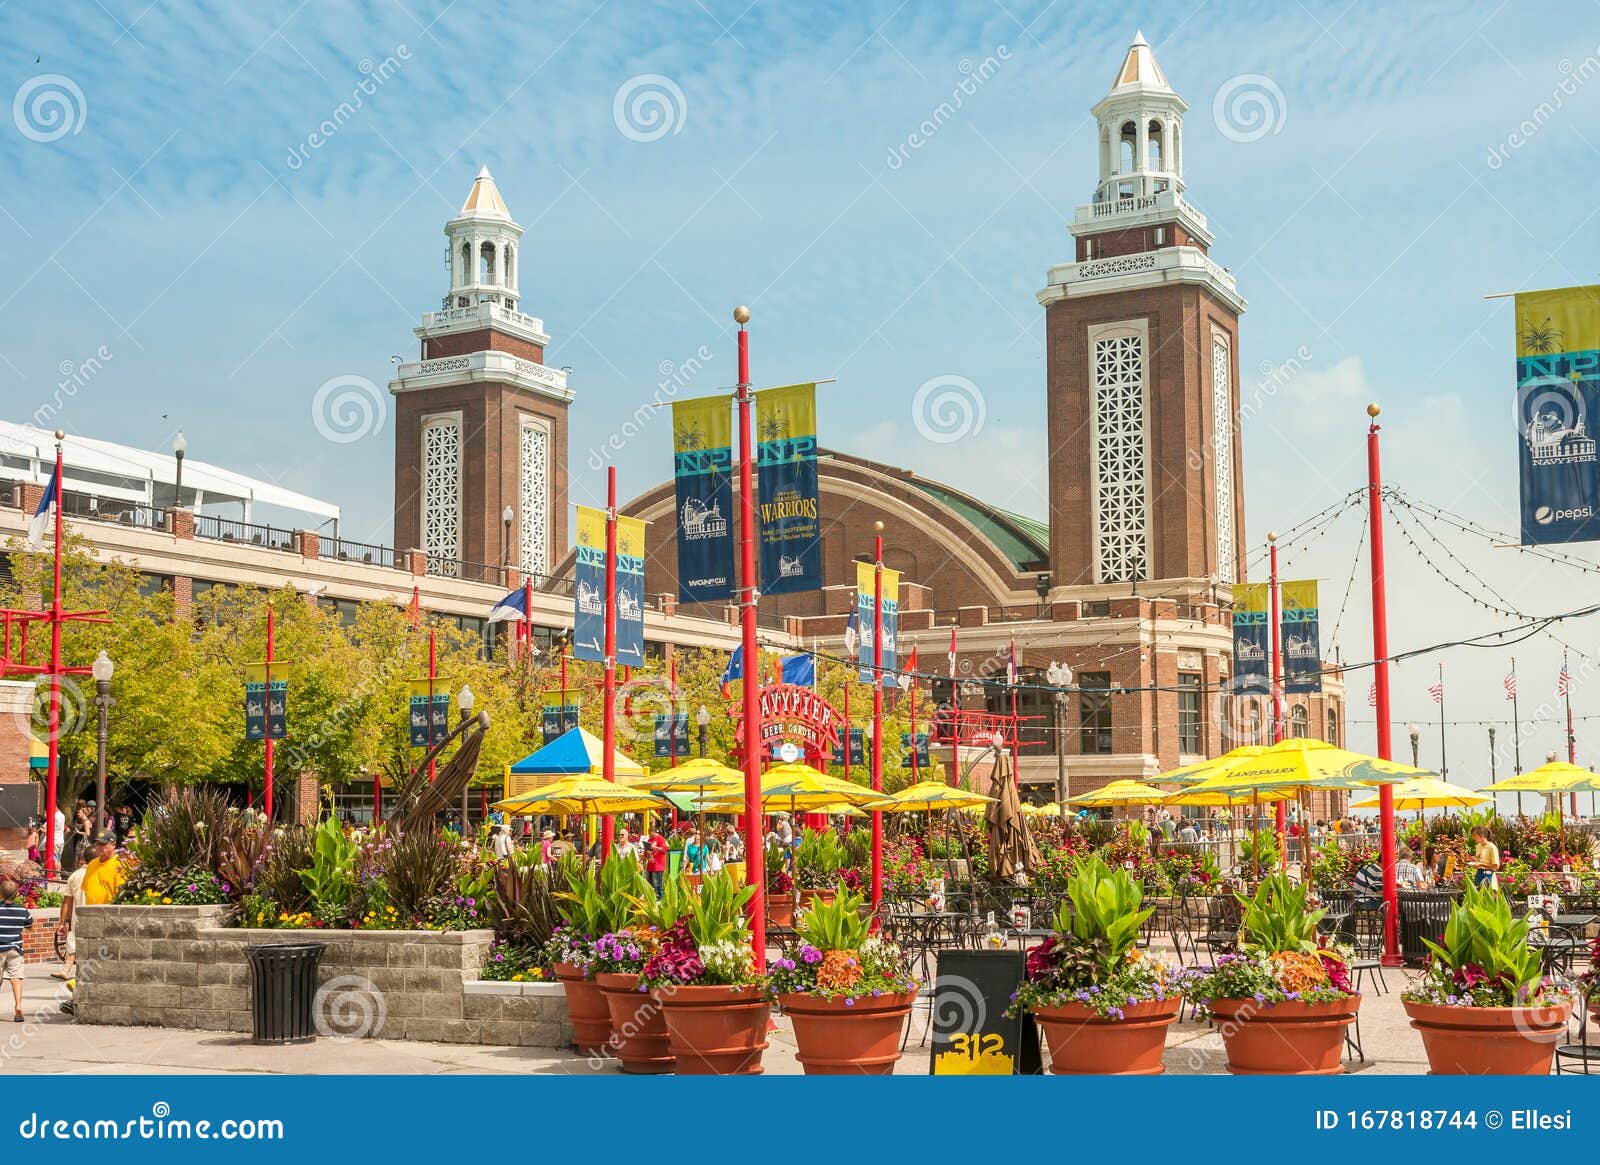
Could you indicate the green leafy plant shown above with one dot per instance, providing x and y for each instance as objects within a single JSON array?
[
  {"x": 600, "y": 898},
  {"x": 1276, "y": 918},
  {"x": 716, "y": 910},
  {"x": 1483, "y": 958},
  {"x": 330, "y": 879},
  {"x": 817, "y": 858},
  {"x": 835, "y": 955},
  {"x": 523, "y": 909},
  {"x": 836, "y": 925},
  {"x": 1258, "y": 850},
  {"x": 1105, "y": 909}
]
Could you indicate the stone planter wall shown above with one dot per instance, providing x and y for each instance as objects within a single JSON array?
[{"x": 180, "y": 967}]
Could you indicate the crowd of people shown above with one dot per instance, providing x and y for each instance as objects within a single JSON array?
[{"x": 74, "y": 834}]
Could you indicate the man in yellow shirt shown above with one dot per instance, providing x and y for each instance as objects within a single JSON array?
[{"x": 103, "y": 876}]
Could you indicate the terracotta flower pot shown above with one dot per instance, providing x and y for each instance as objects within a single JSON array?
[
  {"x": 586, "y": 1010},
  {"x": 638, "y": 1025},
  {"x": 807, "y": 897},
  {"x": 780, "y": 909},
  {"x": 1085, "y": 1043},
  {"x": 1284, "y": 1039},
  {"x": 838, "y": 1039},
  {"x": 716, "y": 1031},
  {"x": 1479, "y": 1041}
]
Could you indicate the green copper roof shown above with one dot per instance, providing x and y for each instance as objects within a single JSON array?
[{"x": 1025, "y": 541}]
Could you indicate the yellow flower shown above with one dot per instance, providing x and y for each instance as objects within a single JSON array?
[{"x": 166, "y": 902}]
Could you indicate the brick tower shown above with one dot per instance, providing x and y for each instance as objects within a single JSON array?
[
  {"x": 480, "y": 421},
  {"x": 1142, "y": 351}
]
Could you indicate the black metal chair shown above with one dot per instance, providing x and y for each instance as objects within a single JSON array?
[
  {"x": 1364, "y": 930},
  {"x": 1423, "y": 914},
  {"x": 1576, "y": 1054},
  {"x": 1223, "y": 919}
]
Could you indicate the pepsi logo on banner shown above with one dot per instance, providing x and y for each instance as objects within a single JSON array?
[{"x": 1558, "y": 393}]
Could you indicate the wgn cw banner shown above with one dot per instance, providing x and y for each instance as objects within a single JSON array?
[
  {"x": 891, "y": 618},
  {"x": 589, "y": 587},
  {"x": 1300, "y": 635},
  {"x": 786, "y": 466},
  {"x": 702, "y": 454},
  {"x": 1558, "y": 391},
  {"x": 1252, "y": 635}
]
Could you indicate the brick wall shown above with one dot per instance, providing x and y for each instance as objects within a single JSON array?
[
  {"x": 39, "y": 940},
  {"x": 178, "y": 967}
]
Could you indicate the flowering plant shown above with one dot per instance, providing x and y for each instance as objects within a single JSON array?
[
  {"x": 1093, "y": 958},
  {"x": 1483, "y": 958},
  {"x": 513, "y": 964},
  {"x": 625, "y": 952},
  {"x": 571, "y": 946},
  {"x": 708, "y": 944},
  {"x": 1282, "y": 959},
  {"x": 834, "y": 956}
]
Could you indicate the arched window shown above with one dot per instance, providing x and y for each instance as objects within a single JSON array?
[
  {"x": 1128, "y": 148},
  {"x": 1153, "y": 156},
  {"x": 1333, "y": 727},
  {"x": 486, "y": 263},
  {"x": 466, "y": 265},
  {"x": 1298, "y": 723},
  {"x": 511, "y": 266}
]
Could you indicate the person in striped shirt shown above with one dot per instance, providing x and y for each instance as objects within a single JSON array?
[{"x": 14, "y": 919}]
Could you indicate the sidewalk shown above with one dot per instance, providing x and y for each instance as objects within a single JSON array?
[{"x": 50, "y": 1042}]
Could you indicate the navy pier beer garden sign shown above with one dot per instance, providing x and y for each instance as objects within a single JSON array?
[{"x": 791, "y": 712}]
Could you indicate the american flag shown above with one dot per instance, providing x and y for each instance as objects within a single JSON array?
[
  {"x": 952, "y": 653},
  {"x": 1511, "y": 685},
  {"x": 1563, "y": 681},
  {"x": 1372, "y": 695},
  {"x": 1011, "y": 666},
  {"x": 1437, "y": 692}
]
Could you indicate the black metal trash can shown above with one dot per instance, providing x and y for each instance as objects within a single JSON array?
[{"x": 283, "y": 992}]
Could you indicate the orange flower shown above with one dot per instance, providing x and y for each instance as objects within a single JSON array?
[
  {"x": 840, "y": 971},
  {"x": 1298, "y": 972}
]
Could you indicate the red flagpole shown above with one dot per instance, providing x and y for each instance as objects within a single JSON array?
[
  {"x": 849, "y": 683},
  {"x": 608, "y": 764},
  {"x": 877, "y": 714},
  {"x": 433, "y": 664},
  {"x": 911, "y": 710},
  {"x": 1275, "y": 605},
  {"x": 55, "y": 682},
  {"x": 1380, "y": 655},
  {"x": 754, "y": 854},
  {"x": 266, "y": 794}
]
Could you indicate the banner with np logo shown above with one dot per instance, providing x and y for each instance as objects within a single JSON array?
[{"x": 1558, "y": 392}]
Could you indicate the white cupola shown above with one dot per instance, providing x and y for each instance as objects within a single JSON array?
[
  {"x": 1141, "y": 131},
  {"x": 484, "y": 245}
]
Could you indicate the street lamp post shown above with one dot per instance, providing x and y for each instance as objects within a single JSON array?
[
  {"x": 505, "y": 535},
  {"x": 179, "y": 448},
  {"x": 465, "y": 700},
  {"x": 1059, "y": 676},
  {"x": 1416, "y": 733},
  {"x": 702, "y": 723},
  {"x": 1491, "y": 754},
  {"x": 102, "y": 669}
]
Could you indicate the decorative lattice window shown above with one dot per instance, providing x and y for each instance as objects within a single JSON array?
[
  {"x": 1119, "y": 444},
  {"x": 533, "y": 476},
  {"x": 1222, "y": 453},
  {"x": 441, "y": 494}
]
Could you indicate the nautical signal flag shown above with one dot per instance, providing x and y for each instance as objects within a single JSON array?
[
  {"x": 734, "y": 670},
  {"x": 852, "y": 637},
  {"x": 798, "y": 669},
  {"x": 1011, "y": 666},
  {"x": 41, "y": 516}
]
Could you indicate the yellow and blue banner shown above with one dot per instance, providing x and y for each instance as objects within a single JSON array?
[
  {"x": 1252, "y": 631},
  {"x": 589, "y": 587},
  {"x": 1300, "y": 635},
  {"x": 672, "y": 734},
  {"x": 702, "y": 470},
  {"x": 266, "y": 706},
  {"x": 561, "y": 711},
  {"x": 786, "y": 489},
  {"x": 430, "y": 716},
  {"x": 1558, "y": 387},
  {"x": 630, "y": 591},
  {"x": 864, "y": 620}
]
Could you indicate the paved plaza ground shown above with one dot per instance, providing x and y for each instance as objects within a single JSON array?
[{"x": 52, "y": 1042}]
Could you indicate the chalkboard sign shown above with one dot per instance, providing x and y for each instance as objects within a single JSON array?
[
  {"x": 19, "y": 803},
  {"x": 971, "y": 1034}
]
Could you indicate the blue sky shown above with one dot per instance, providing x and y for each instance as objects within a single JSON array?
[{"x": 227, "y": 284}]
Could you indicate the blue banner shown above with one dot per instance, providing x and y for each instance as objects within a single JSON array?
[
  {"x": 1558, "y": 387},
  {"x": 1301, "y": 638},
  {"x": 786, "y": 489},
  {"x": 858, "y": 748},
  {"x": 672, "y": 734},
  {"x": 429, "y": 724},
  {"x": 266, "y": 713},
  {"x": 702, "y": 450},
  {"x": 589, "y": 587},
  {"x": 1252, "y": 637},
  {"x": 923, "y": 759},
  {"x": 630, "y": 592},
  {"x": 865, "y": 585},
  {"x": 561, "y": 711}
]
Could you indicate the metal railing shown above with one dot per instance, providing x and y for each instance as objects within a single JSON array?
[
  {"x": 216, "y": 529},
  {"x": 98, "y": 509},
  {"x": 369, "y": 553}
]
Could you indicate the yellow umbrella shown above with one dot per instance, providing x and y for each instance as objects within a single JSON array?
[
  {"x": 1426, "y": 793},
  {"x": 1557, "y": 776},
  {"x": 581, "y": 794},
  {"x": 1225, "y": 798},
  {"x": 840, "y": 809},
  {"x": 1197, "y": 771},
  {"x": 927, "y": 796},
  {"x": 696, "y": 776},
  {"x": 796, "y": 786},
  {"x": 1120, "y": 793},
  {"x": 1307, "y": 763}
]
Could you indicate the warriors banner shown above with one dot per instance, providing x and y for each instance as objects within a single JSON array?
[
  {"x": 1558, "y": 393},
  {"x": 1299, "y": 632},
  {"x": 630, "y": 591},
  {"x": 864, "y": 620},
  {"x": 702, "y": 448},
  {"x": 786, "y": 489},
  {"x": 1251, "y": 637},
  {"x": 589, "y": 587}
]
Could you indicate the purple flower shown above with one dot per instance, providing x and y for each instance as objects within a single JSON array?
[
  {"x": 810, "y": 953},
  {"x": 849, "y": 1002}
]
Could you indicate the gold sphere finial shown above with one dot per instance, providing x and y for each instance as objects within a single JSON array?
[
  {"x": 61, "y": 434},
  {"x": 1373, "y": 410},
  {"x": 741, "y": 314},
  {"x": 1272, "y": 535},
  {"x": 878, "y": 526}
]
